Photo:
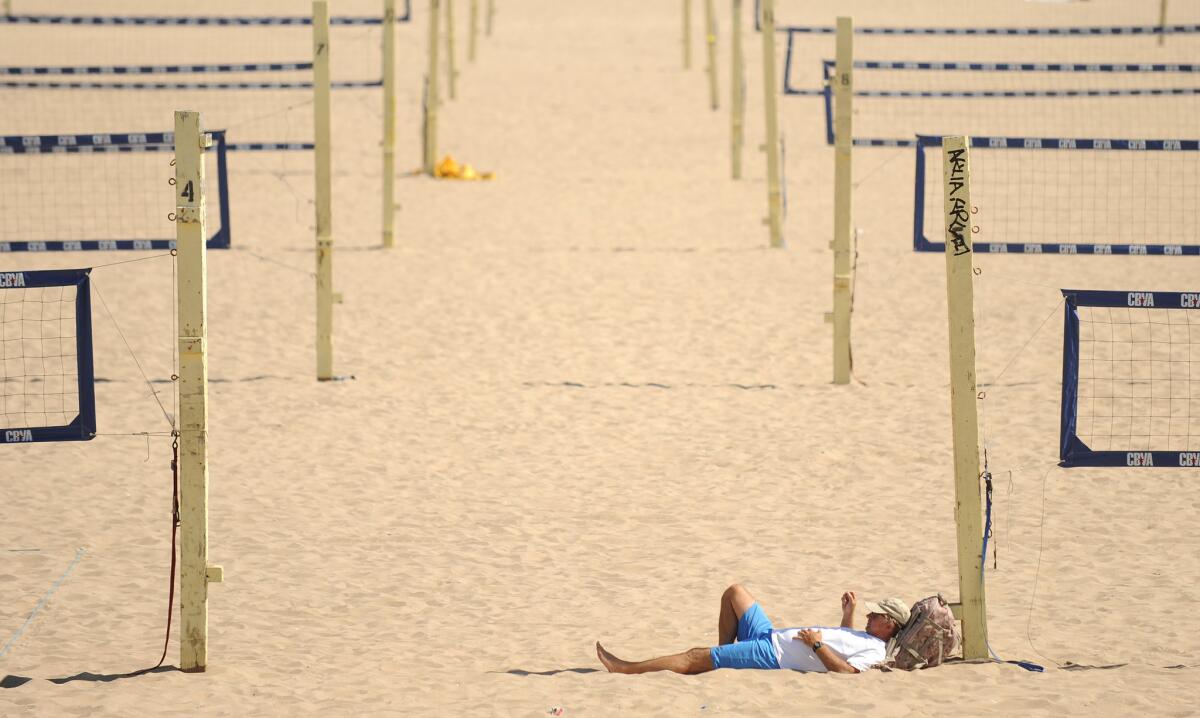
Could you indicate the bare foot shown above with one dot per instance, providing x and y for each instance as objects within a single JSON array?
[{"x": 611, "y": 662}]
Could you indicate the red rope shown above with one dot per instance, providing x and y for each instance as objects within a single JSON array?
[{"x": 174, "y": 528}]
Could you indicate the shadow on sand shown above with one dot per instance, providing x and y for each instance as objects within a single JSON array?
[
  {"x": 555, "y": 672},
  {"x": 11, "y": 681}
]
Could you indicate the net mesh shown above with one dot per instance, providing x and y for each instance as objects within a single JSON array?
[
  {"x": 255, "y": 106},
  {"x": 1139, "y": 379},
  {"x": 95, "y": 196},
  {"x": 39, "y": 372},
  {"x": 1075, "y": 104},
  {"x": 952, "y": 102},
  {"x": 1074, "y": 196}
]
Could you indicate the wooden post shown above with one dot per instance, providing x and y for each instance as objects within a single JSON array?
[
  {"x": 1162, "y": 22},
  {"x": 324, "y": 196},
  {"x": 451, "y": 65},
  {"x": 737, "y": 100},
  {"x": 491, "y": 13},
  {"x": 710, "y": 37},
  {"x": 843, "y": 94},
  {"x": 687, "y": 34},
  {"x": 770, "y": 96},
  {"x": 389, "y": 123},
  {"x": 432, "y": 94},
  {"x": 474, "y": 30},
  {"x": 8, "y": 8},
  {"x": 960, "y": 295},
  {"x": 190, "y": 237}
]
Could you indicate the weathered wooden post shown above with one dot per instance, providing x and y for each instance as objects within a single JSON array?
[
  {"x": 843, "y": 96},
  {"x": 960, "y": 295},
  {"x": 770, "y": 99},
  {"x": 192, "y": 313},
  {"x": 389, "y": 123}
]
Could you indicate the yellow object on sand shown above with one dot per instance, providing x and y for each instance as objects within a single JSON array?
[{"x": 449, "y": 169}]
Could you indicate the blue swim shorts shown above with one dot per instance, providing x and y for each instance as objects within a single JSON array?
[{"x": 753, "y": 648}]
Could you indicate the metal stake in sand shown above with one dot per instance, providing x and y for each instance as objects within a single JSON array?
[
  {"x": 737, "y": 85},
  {"x": 389, "y": 123},
  {"x": 190, "y": 235},
  {"x": 710, "y": 37},
  {"x": 451, "y": 66},
  {"x": 432, "y": 94},
  {"x": 687, "y": 34},
  {"x": 843, "y": 94},
  {"x": 324, "y": 194},
  {"x": 774, "y": 218},
  {"x": 972, "y": 610},
  {"x": 474, "y": 30}
]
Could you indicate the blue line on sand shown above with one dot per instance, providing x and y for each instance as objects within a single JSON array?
[{"x": 78, "y": 556}]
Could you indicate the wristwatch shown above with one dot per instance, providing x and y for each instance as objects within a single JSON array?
[{"x": 817, "y": 646}]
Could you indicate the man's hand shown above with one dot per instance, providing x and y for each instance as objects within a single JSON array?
[
  {"x": 849, "y": 603},
  {"x": 832, "y": 661}
]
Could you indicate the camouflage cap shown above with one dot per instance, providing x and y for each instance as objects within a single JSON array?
[{"x": 893, "y": 608}]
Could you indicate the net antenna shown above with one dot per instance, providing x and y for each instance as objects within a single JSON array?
[
  {"x": 1131, "y": 379},
  {"x": 47, "y": 383},
  {"x": 960, "y": 294}
]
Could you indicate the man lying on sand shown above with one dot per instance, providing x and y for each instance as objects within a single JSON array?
[{"x": 758, "y": 645}]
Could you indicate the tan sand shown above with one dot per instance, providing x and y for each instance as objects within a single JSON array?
[{"x": 586, "y": 399}]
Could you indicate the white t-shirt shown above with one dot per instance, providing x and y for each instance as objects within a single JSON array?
[{"x": 859, "y": 648}]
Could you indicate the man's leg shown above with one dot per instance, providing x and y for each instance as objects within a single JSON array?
[
  {"x": 734, "y": 602},
  {"x": 696, "y": 660}
]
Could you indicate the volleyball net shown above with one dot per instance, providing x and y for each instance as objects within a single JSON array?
[
  {"x": 1061, "y": 81},
  {"x": 1131, "y": 379},
  {"x": 1069, "y": 195},
  {"x": 100, "y": 192},
  {"x": 897, "y": 99},
  {"x": 251, "y": 75},
  {"x": 47, "y": 390}
]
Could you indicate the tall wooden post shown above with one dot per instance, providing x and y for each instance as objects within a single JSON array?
[
  {"x": 389, "y": 123},
  {"x": 324, "y": 194},
  {"x": 491, "y": 14},
  {"x": 843, "y": 96},
  {"x": 432, "y": 94},
  {"x": 190, "y": 236},
  {"x": 770, "y": 98},
  {"x": 710, "y": 38},
  {"x": 687, "y": 34},
  {"x": 1162, "y": 22},
  {"x": 474, "y": 30},
  {"x": 960, "y": 295},
  {"x": 737, "y": 100},
  {"x": 451, "y": 64}
]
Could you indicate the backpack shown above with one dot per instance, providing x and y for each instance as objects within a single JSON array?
[{"x": 931, "y": 636}]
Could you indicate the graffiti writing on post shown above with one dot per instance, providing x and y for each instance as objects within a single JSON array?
[{"x": 958, "y": 215}]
